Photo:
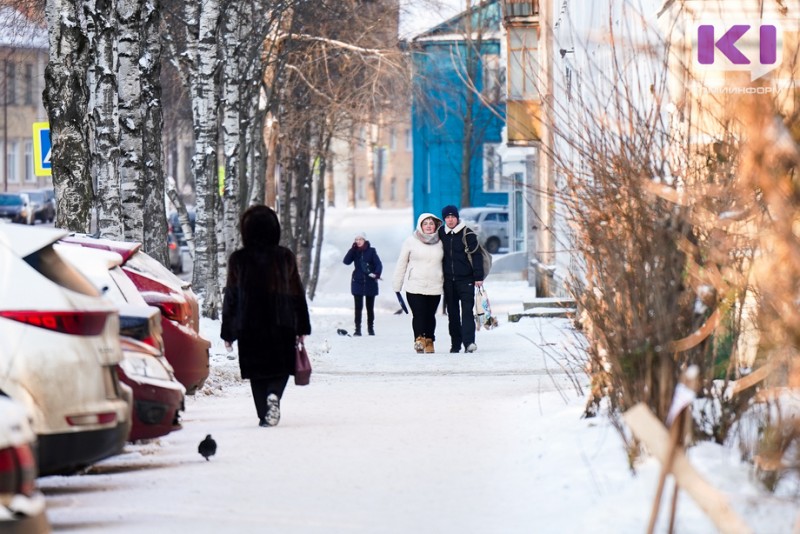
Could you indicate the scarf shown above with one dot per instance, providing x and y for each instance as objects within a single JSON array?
[{"x": 428, "y": 239}]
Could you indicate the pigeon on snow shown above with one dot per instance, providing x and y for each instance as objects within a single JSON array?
[
  {"x": 207, "y": 447},
  {"x": 342, "y": 332}
]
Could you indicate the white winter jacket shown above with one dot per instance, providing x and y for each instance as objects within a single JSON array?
[{"x": 419, "y": 267}]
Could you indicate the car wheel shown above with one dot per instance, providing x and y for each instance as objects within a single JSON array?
[{"x": 492, "y": 245}]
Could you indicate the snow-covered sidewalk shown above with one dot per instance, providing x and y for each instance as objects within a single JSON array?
[{"x": 386, "y": 440}]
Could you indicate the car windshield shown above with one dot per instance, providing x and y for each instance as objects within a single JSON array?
[
  {"x": 10, "y": 200},
  {"x": 35, "y": 196}
]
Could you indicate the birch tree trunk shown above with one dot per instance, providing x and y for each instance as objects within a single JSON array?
[
  {"x": 372, "y": 145},
  {"x": 330, "y": 186},
  {"x": 230, "y": 53},
  {"x": 129, "y": 89},
  {"x": 286, "y": 189},
  {"x": 318, "y": 230},
  {"x": 273, "y": 59},
  {"x": 271, "y": 130},
  {"x": 103, "y": 118},
  {"x": 205, "y": 91},
  {"x": 155, "y": 217},
  {"x": 301, "y": 205},
  {"x": 351, "y": 179},
  {"x": 66, "y": 101},
  {"x": 255, "y": 168}
]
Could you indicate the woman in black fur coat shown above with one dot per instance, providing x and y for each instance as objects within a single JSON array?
[{"x": 265, "y": 310}]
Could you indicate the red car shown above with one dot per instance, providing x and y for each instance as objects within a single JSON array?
[
  {"x": 157, "y": 397},
  {"x": 184, "y": 348}
]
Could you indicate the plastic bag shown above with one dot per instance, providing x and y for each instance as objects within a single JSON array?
[{"x": 483, "y": 310}]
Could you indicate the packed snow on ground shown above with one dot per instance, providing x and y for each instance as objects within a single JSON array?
[{"x": 385, "y": 440}]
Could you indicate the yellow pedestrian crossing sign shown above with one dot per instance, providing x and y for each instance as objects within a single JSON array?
[{"x": 42, "y": 148}]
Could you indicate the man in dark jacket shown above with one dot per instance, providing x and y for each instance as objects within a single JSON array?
[{"x": 460, "y": 278}]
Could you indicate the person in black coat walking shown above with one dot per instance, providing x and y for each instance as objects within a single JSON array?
[
  {"x": 460, "y": 279},
  {"x": 265, "y": 309},
  {"x": 367, "y": 270}
]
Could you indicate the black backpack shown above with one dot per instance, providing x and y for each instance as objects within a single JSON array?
[{"x": 487, "y": 258}]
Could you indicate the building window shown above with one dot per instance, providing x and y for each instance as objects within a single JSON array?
[
  {"x": 362, "y": 137},
  {"x": 29, "y": 84},
  {"x": 493, "y": 78},
  {"x": 11, "y": 162},
  {"x": 522, "y": 67},
  {"x": 392, "y": 139},
  {"x": 409, "y": 189},
  {"x": 409, "y": 141},
  {"x": 29, "y": 176},
  {"x": 11, "y": 83},
  {"x": 393, "y": 189},
  {"x": 492, "y": 169}
]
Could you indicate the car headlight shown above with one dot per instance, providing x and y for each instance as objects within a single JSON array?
[{"x": 144, "y": 366}]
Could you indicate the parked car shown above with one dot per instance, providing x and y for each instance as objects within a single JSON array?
[
  {"x": 184, "y": 347},
  {"x": 16, "y": 207},
  {"x": 22, "y": 506},
  {"x": 50, "y": 198},
  {"x": 42, "y": 209},
  {"x": 490, "y": 223},
  {"x": 59, "y": 352},
  {"x": 176, "y": 227},
  {"x": 157, "y": 394}
]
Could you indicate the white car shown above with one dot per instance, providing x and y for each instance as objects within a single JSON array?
[
  {"x": 59, "y": 353},
  {"x": 491, "y": 223},
  {"x": 22, "y": 506}
]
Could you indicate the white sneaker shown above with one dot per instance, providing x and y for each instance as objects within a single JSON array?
[
  {"x": 472, "y": 347},
  {"x": 273, "y": 410}
]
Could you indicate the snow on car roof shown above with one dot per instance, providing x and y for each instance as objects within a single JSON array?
[{"x": 24, "y": 240}]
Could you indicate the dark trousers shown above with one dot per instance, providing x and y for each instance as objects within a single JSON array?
[
  {"x": 359, "y": 302},
  {"x": 263, "y": 387},
  {"x": 423, "y": 314},
  {"x": 459, "y": 298}
]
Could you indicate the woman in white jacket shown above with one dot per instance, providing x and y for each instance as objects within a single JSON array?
[{"x": 419, "y": 270}]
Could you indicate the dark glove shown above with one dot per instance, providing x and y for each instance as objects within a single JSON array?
[{"x": 355, "y": 245}]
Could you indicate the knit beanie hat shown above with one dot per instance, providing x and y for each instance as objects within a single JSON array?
[
  {"x": 360, "y": 235},
  {"x": 449, "y": 210}
]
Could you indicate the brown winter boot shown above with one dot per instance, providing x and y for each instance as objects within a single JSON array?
[
  {"x": 428, "y": 346},
  {"x": 419, "y": 345}
]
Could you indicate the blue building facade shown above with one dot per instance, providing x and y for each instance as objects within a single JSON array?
[{"x": 440, "y": 104}]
